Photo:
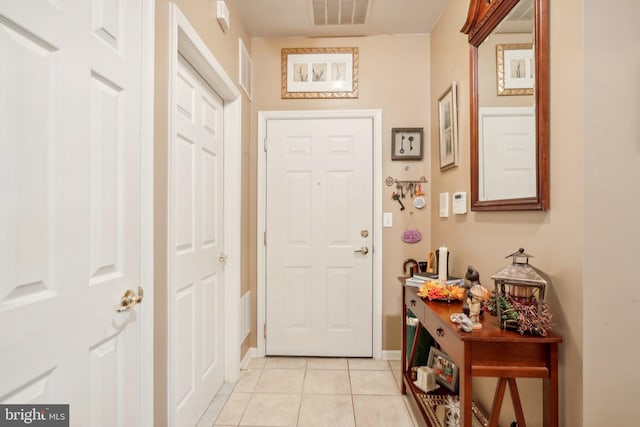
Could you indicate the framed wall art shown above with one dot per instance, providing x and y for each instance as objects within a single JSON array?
[
  {"x": 406, "y": 143},
  {"x": 448, "y": 128},
  {"x": 445, "y": 369},
  {"x": 319, "y": 72},
  {"x": 515, "y": 69}
]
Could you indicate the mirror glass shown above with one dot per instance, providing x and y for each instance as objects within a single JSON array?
[
  {"x": 506, "y": 106},
  {"x": 510, "y": 139}
]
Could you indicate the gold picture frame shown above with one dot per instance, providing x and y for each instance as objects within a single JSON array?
[
  {"x": 330, "y": 72},
  {"x": 515, "y": 67}
]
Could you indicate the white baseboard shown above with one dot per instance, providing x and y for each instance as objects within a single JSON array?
[
  {"x": 245, "y": 316},
  {"x": 391, "y": 354},
  {"x": 250, "y": 354}
]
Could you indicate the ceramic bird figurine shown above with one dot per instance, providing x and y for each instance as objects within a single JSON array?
[{"x": 472, "y": 275}]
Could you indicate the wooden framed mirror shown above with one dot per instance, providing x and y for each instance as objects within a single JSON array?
[{"x": 509, "y": 60}]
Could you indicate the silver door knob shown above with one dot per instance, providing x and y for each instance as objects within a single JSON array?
[
  {"x": 223, "y": 257},
  {"x": 363, "y": 250}
]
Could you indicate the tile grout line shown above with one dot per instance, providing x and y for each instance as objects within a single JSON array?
[
  {"x": 304, "y": 378},
  {"x": 353, "y": 403}
]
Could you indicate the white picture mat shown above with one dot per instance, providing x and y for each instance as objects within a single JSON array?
[
  {"x": 519, "y": 69},
  {"x": 338, "y": 68}
]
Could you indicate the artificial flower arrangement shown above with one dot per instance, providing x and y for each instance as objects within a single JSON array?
[{"x": 436, "y": 291}]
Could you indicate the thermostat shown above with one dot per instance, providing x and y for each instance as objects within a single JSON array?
[{"x": 460, "y": 202}]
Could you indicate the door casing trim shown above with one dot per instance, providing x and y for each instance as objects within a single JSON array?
[
  {"x": 376, "y": 116},
  {"x": 147, "y": 203},
  {"x": 185, "y": 41}
]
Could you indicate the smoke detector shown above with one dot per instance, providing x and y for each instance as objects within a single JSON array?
[{"x": 222, "y": 15}]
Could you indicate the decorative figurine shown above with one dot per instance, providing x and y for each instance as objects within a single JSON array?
[
  {"x": 476, "y": 295},
  {"x": 473, "y": 277}
]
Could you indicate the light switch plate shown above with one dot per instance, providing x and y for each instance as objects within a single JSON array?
[
  {"x": 444, "y": 205},
  {"x": 387, "y": 219}
]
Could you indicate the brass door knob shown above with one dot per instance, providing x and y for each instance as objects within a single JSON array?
[{"x": 129, "y": 299}]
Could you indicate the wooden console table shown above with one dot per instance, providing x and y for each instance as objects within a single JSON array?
[{"x": 486, "y": 352}]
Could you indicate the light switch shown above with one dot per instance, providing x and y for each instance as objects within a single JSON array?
[
  {"x": 444, "y": 205},
  {"x": 387, "y": 219}
]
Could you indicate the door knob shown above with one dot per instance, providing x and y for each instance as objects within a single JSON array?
[
  {"x": 363, "y": 250},
  {"x": 223, "y": 257},
  {"x": 129, "y": 299}
]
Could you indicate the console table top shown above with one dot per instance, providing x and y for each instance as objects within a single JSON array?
[{"x": 490, "y": 332}]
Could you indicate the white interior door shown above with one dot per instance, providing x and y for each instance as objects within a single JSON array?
[
  {"x": 70, "y": 223},
  {"x": 197, "y": 283},
  {"x": 507, "y": 142},
  {"x": 319, "y": 213}
]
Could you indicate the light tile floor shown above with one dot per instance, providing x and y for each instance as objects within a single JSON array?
[{"x": 312, "y": 392}]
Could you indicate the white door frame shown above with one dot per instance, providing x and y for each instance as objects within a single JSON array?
[
  {"x": 184, "y": 40},
  {"x": 147, "y": 90},
  {"x": 376, "y": 116}
]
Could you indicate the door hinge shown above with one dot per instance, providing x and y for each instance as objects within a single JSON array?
[
  {"x": 265, "y": 145},
  {"x": 265, "y": 330},
  {"x": 264, "y": 238}
]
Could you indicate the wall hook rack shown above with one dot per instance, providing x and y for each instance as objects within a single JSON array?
[
  {"x": 390, "y": 181},
  {"x": 407, "y": 187}
]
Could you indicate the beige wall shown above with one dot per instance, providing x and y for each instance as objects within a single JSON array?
[
  {"x": 393, "y": 77},
  {"x": 224, "y": 46},
  {"x": 612, "y": 209},
  {"x": 555, "y": 237}
]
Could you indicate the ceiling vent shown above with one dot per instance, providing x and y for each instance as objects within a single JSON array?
[{"x": 339, "y": 12}]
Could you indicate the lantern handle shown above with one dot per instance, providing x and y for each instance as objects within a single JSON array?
[{"x": 519, "y": 253}]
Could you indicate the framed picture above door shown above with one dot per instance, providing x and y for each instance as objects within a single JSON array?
[{"x": 319, "y": 72}]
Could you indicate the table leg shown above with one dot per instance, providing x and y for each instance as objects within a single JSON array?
[
  {"x": 497, "y": 402},
  {"x": 517, "y": 404},
  {"x": 550, "y": 390},
  {"x": 403, "y": 387},
  {"x": 466, "y": 394}
]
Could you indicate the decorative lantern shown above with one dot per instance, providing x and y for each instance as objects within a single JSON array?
[{"x": 519, "y": 293}]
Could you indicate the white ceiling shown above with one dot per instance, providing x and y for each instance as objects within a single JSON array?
[{"x": 294, "y": 18}]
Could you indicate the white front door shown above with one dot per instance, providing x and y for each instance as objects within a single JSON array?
[
  {"x": 319, "y": 214},
  {"x": 70, "y": 216},
  {"x": 197, "y": 283}
]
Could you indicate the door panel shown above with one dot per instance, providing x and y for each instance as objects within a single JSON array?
[
  {"x": 510, "y": 156},
  {"x": 319, "y": 200},
  {"x": 70, "y": 187},
  {"x": 197, "y": 224}
]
